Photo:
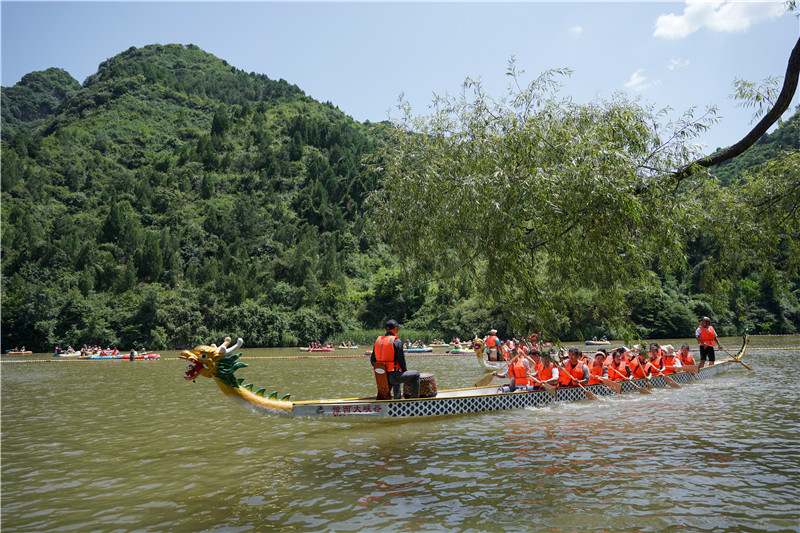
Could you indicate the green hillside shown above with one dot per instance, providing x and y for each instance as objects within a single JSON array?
[
  {"x": 35, "y": 98},
  {"x": 174, "y": 197}
]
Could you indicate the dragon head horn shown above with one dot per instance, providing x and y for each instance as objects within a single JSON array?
[{"x": 225, "y": 350}]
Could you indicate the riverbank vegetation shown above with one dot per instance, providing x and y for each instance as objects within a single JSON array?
[{"x": 172, "y": 200}]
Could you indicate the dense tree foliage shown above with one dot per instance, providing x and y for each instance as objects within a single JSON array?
[
  {"x": 37, "y": 95},
  {"x": 174, "y": 199},
  {"x": 569, "y": 216}
]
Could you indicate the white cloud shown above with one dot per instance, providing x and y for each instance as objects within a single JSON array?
[
  {"x": 718, "y": 16},
  {"x": 676, "y": 63},
  {"x": 638, "y": 82},
  {"x": 576, "y": 31}
]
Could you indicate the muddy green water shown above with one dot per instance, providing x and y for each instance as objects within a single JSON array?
[{"x": 131, "y": 446}]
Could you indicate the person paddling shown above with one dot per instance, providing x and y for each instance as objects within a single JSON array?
[
  {"x": 656, "y": 360},
  {"x": 685, "y": 357},
  {"x": 544, "y": 370},
  {"x": 574, "y": 370},
  {"x": 671, "y": 361},
  {"x": 618, "y": 370},
  {"x": 597, "y": 369},
  {"x": 639, "y": 366},
  {"x": 519, "y": 370}
]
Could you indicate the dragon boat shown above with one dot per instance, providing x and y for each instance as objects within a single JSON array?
[
  {"x": 220, "y": 364},
  {"x": 305, "y": 349}
]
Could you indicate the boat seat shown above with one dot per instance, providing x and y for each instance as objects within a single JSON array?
[{"x": 382, "y": 380}]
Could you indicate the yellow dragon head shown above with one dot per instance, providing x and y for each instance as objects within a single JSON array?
[
  {"x": 203, "y": 359},
  {"x": 477, "y": 345}
]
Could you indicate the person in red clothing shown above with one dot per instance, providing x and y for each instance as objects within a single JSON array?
[
  {"x": 519, "y": 370},
  {"x": 543, "y": 369},
  {"x": 656, "y": 360},
  {"x": 388, "y": 350},
  {"x": 618, "y": 370},
  {"x": 706, "y": 337},
  {"x": 640, "y": 366},
  {"x": 684, "y": 355},
  {"x": 597, "y": 368},
  {"x": 574, "y": 370},
  {"x": 672, "y": 362}
]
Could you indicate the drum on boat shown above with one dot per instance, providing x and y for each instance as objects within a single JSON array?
[{"x": 427, "y": 386}]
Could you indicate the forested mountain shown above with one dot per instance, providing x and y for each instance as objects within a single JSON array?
[
  {"x": 36, "y": 97},
  {"x": 173, "y": 199}
]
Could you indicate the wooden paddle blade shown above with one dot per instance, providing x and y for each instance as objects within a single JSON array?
[
  {"x": 643, "y": 390},
  {"x": 671, "y": 382},
  {"x": 485, "y": 380},
  {"x": 748, "y": 367},
  {"x": 690, "y": 368},
  {"x": 650, "y": 385},
  {"x": 549, "y": 388},
  {"x": 611, "y": 384},
  {"x": 589, "y": 394}
]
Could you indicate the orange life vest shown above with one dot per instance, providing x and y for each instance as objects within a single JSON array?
[
  {"x": 707, "y": 335},
  {"x": 565, "y": 378},
  {"x": 384, "y": 352},
  {"x": 491, "y": 341},
  {"x": 518, "y": 371},
  {"x": 637, "y": 368},
  {"x": 658, "y": 363},
  {"x": 688, "y": 360},
  {"x": 544, "y": 372},
  {"x": 619, "y": 372},
  {"x": 669, "y": 364},
  {"x": 596, "y": 369},
  {"x": 504, "y": 351}
]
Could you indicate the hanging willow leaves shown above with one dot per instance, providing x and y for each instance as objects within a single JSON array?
[{"x": 533, "y": 194}]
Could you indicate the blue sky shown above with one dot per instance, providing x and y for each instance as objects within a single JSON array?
[{"x": 361, "y": 56}]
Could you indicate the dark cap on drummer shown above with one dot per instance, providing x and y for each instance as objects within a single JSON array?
[{"x": 392, "y": 324}]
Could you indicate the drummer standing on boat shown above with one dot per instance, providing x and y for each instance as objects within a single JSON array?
[
  {"x": 492, "y": 342},
  {"x": 388, "y": 350},
  {"x": 706, "y": 337}
]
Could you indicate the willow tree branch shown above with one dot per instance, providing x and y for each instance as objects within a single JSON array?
[{"x": 781, "y": 105}]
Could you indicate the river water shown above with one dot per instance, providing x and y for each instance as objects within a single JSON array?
[{"x": 131, "y": 446}]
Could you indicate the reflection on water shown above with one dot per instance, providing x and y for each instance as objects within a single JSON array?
[{"x": 121, "y": 446}]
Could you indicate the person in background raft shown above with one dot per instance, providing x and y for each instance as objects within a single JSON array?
[
  {"x": 706, "y": 337},
  {"x": 388, "y": 350},
  {"x": 492, "y": 343}
]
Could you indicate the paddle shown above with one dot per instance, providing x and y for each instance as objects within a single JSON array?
[
  {"x": 641, "y": 390},
  {"x": 671, "y": 382},
  {"x": 485, "y": 380},
  {"x": 611, "y": 384},
  {"x": 748, "y": 367},
  {"x": 549, "y": 388},
  {"x": 589, "y": 394}
]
